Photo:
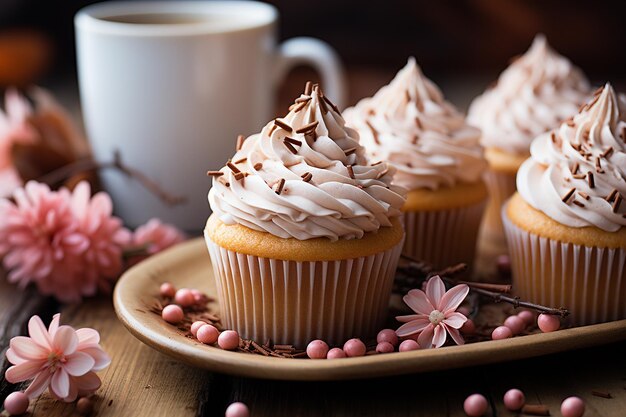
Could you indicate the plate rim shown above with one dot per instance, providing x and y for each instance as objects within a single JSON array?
[{"x": 257, "y": 366}]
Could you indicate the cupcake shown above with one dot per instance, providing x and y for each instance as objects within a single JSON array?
[
  {"x": 305, "y": 233},
  {"x": 566, "y": 226},
  {"x": 438, "y": 159},
  {"x": 535, "y": 93}
]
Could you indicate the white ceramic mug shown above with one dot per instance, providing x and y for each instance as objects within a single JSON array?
[{"x": 171, "y": 85}]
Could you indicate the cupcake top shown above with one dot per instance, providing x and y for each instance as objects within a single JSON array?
[
  {"x": 410, "y": 124},
  {"x": 536, "y": 92},
  {"x": 306, "y": 176},
  {"x": 576, "y": 174}
]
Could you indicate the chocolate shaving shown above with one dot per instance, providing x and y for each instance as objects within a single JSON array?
[
  {"x": 240, "y": 175},
  {"x": 308, "y": 127},
  {"x": 374, "y": 132},
  {"x": 616, "y": 203},
  {"x": 590, "y": 180},
  {"x": 233, "y": 167},
  {"x": 331, "y": 104},
  {"x": 293, "y": 141},
  {"x": 574, "y": 169},
  {"x": 350, "y": 151},
  {"x": 598, "y": 164},
  {"x": 272, "y": 129},
  {"x": 578, "y": 203},
  {"x": 258, "y": 166},
  {"x": 611, "y": 195},
  {"x": 536, "y": 409},
  {"x": 299, "y": 106},
  {"x": 240, "y": 160},
  {"x": 308, "y": 87},
  {"x": 553, "y": 137},
  {"x": 281, "y": 123},
  {"x": 350, "y": 171},
  {"x": 323, "y": 105},
  {"x": 608, "y": 152},
  {"x": 290, "y": 147},
  {"x": 578, "y": 176},
  {"x": 240, "y": 140},
  {"x": 306, "y": 177},
  {"x": 602, "y": 394},
  {"x": 567, "y": 196},
  {"x": 583, "y": 195},
  {"x": 279, "y": 186},
  {"x": 214, "y": 173}
]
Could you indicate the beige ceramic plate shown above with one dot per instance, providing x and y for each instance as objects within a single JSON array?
[{"x": 188, "y": 265}]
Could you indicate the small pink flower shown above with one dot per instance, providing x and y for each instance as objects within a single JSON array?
[
  {"x": 59, "y": 358},
  {"x": 157, "y": 236},
  {"x": 436, "y": 314}
]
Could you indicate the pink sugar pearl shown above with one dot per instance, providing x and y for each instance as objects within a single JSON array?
[
  {"x": 167, "y": 290},
  {"x": 514, "y": 399},
  {"x": 573, "y": 407},
  {"x": 16, "y": 403},
  {"x": 384, "y": 347},
  {"x": 387, "y": 335},
  {"x": 408, "y": 345},
  {"x": 209, "y": 334},
  {"x": 335, "y": 353},
  {"x": 317, "y": 349},
  {"x": 548, "y": 323},
  {"x": 468, "y": 327},
  {"x": 501, "y": 332},
  {"x": 475, "y": 405},
  {"x": 184, "y": 297},
  {"x": 172, "y": 314},
  {"x": 354, "y": 347},
  {"x": 228, "y": 340},
  {"x": 84, "y": 406},
  {"x": 527, "y": 316},
  {"x": 195, "y": 326},
  {"x": 515, "y": 323},
  {"x": 237, "y": 410},
  {"x": 199, "y": 297}
]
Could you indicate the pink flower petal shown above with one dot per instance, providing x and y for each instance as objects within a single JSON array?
[
  {"x": 453, "y": 298},
  {"x": 412, "y": 327},
  {"x": 87, "y": 336},
  {"x": 455, "y": 320},
  {"x": 24, "y": 371},
  {"x": 14, "y": 358},
  {"x": 435, "y": 289},
  {"x": 66, "y": 341},
  {"x": 39, "y": 333},
  {"x": 54, "y": 324},
  {"x": 456, "y": 336},
  {"x": 410, "y": 317},
  {"x": 425, "y": 339},
  {"x": 418, "y": 302},
  {"x": 60, "y": 383},
  {"x": 439, "y": 338},
  {"x": 27, "y": 348},
  {"x": 72, "y": 395},
  {"x": 78, "y": 364},
  {"x": 39, "y": 385},
  {"x": 102, "y": 360}
]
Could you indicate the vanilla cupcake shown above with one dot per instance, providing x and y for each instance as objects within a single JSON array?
[
  {"x": 536, "y": 92},
  {"x": 438, "y": 159},
  {"x": 304, "y": 237},
  {"x": 566, "y": 226}
]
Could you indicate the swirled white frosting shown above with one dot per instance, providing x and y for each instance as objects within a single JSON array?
[
  {"x": 535, "y": 93},
  {"x": 344, "y": 198},
  {"x": 592, "y": 143},
  {"x": 409, "y": 124}
]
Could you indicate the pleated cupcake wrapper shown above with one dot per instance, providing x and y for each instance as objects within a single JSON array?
[
  {"x": 443, "y": 237},
  {"x": 293, "y": 302},
  {"x": 501, "y": 186},
  {"x": 589, "y": 281}
]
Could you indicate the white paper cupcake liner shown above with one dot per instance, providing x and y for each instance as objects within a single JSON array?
[
  {"x": 293, "y": 302},
  {"x": 443, "y": 237},
  {"x": 501, "y": 186},
  {"x": 589, "y": 281}
]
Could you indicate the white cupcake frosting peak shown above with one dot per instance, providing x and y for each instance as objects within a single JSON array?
[
  {"x": 576, "y": 174},
  {"x": 306, "y": 176},
  {"x": 409, "y": 124},
  {"x": 536, "y": 92}
]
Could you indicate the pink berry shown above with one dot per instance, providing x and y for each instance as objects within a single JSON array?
[
  {"x": 408, "y": 345},
  {"x": 501, "y": 332},
  {"x": 209, "y": 334},
  {"x": 572, "y": 407},
  {"x": 167, "y": 290},
  {"x": 548, "y": 323},
  {"x": 384, "y": 347},
  {"x": 387, "y": 335},
  {"x": 468, "y": 327},
  {"x": 317, "y": 349},
  {"x": 237, "y": 410},
  {"x": 527, "y": 316},
  {"x": 228, "y": 340},
  {"x": 184, "y": 297},
  {"x": 514, "y": 399},
  {"x": 475, "y": 405},
  {"x": 172, "y": 314},
  {"x": 195, "y": 326},
  {"x": 16, "y": 403},
  {"x": 335, "y": 353},
  {"x": 354, "y": 347},
  {"x": 515, "y": 323}
]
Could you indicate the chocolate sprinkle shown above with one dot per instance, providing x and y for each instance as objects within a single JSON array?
[
  {"x": 279, "y": 186},
  {"x": 305, "y": 99},
  {"x": 350, "y": 171},
  {"x": 308, "y": 87},
  {"x": 611, "y": 195},
  {"x": 569, "y": 194},
  {"x": 578, "y": 203},
  {"x": 608, "y": 152},
  {"x": 240, "y": 140},
  {"x": 233, "y": 167},
  {"x": 306, "y": 177},
  {"x": 282, "y": 124},
  {"x": 258, "y": 166},
  {"x": 299, "y": 106},
  {"x": 574, "y": 169},
  {"x": 592, "y": 183},
  {"x": 418, "y": 123},
  {"x": 616, "y": 203},
  {"x": 290, "y": 147},
  {"x": 350, "y": 151},
  {"x": 583, "y": 195},
  {"x": 239, "y": 161},
  {"x": 293, "y": 141},
  {"x": 308, "y": 127},
  {"x": 214, "y": 173}
]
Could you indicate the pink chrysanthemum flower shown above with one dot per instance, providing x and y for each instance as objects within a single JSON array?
[
  {"x": 436, "y": 314},
  {"x": 106, "y": 237},
  {"x": 59, "y": 358},
  {"x": 40, "y": 241},
  {"x": 157, "y": 236}
]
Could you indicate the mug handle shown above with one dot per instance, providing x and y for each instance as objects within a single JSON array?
[{"x": 321, "y": 56}]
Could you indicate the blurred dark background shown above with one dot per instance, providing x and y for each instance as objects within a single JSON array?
[{"x": 454, "y": 41}]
